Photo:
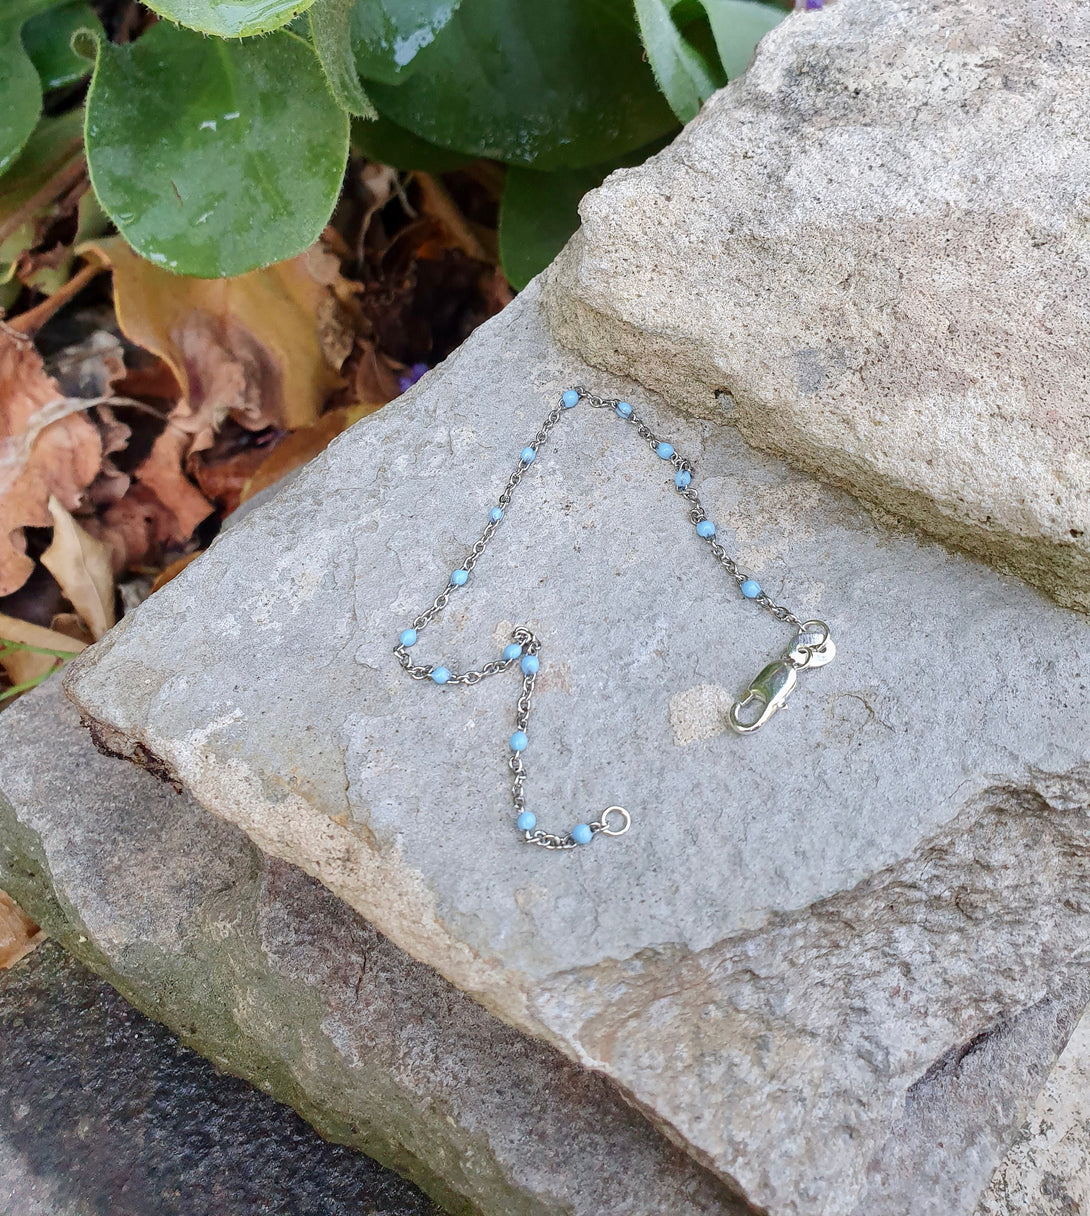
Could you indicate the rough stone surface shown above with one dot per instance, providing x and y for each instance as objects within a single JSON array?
[
  {"x": 259, "y": 967},
  {"x": 801, "y": 922},
  {"x": 103, "y": 1114},
  {"x": 878, "y": 243},
  {"x": 1047, "y": 1170}
]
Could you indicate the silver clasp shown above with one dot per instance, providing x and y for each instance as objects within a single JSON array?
[
  {"x": 769, "y": 692},
  {"x": 812, "y": 647}
]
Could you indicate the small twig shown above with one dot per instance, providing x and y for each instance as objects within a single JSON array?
[
  {"x": 439, "y": 203},
  {"x": 33, "y": 319}
]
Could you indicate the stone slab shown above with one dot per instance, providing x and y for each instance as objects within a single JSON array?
[
  {"x": 1047, "y": 1170},
  {"x": 262, "y": 970},
  {"x": 877, "y": 244},
  {"x": 802, "y": 922},
  {"x": 102, "y": 1113}
]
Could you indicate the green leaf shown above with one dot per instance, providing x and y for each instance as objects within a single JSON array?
[
  {"x": 330, "y": 22},
  {"x": 204, "y": 158},
  {"x": 20, "y": 97},
  {"x": 738, "y": 25},
  {"x": 387, "y": 35},
  {"x": 538, "y": 214},
  {"x": 541, "y": 83},
  {"x": 48, "y": 41},
  {"x": 682, "y": 68},
  {"x": 539, "y": 211},
  {"x": 230, "y": 18},
  {"x": 683, "y": 74},
  {"x": 384, "y": 141}
]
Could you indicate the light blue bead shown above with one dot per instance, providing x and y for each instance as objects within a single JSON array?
[
  {"x": 519, "y": 741},
  {"x": 705, "y": 528},
  {"x": 529, "y": 664},
  {"x": 512, "y": 651},
  {"x": 528, "y": 455},
  {"x": 750, "y": 589},
  {"x": 570, "y": 398},
  {"x": 624, "y": 409},
  {"x": 582, "y": 834},
  {"x": 496, "y": 514},
  {"x": 665, "y": 450},
  {"x": 440, "y": 675},
  {"x": 408, "y": 637},
  {"x": 682, "y": 479},
  {"x": 527, "y": 821},
  {"x": 459, "y": 577}
]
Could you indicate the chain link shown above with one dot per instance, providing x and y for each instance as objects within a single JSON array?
[{"x": 528, "y": 643}]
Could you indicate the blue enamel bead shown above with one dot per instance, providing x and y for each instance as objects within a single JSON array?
[
  {"x": 682, "y": 479},
  {"x": 440, "y": 675},
  {"x": 570, "y": 398},
  {"x": 750, "y": 589},
  {"x": 519, "y": 741},
  {"x": 705, "y": 528},
  {"x": 527, "y": 821},
  {"x": 512, "y": 651},
  {"x": 458, "y": 578},
  {"x": 624, "y": 409},
  {"x": 665, "y": 450},
  {"x": 408, "y": 637},
  {"x": 529, "y": 664},
  {"x": 582, "y": 834},
  {"x": 496, "y": 514},
  {"x": 528, "y": 455}
]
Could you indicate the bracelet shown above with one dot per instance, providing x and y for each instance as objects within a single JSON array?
[{"x": 812, "y": 645}]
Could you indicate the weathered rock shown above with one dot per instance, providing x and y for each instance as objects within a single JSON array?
[
  {"x": 877, "y": 242},
  {"x": 802, "y": 922},
  {"x": 103, "y": 1114},
  {"x": 263, "y": 970},
  {"x": 1047, "y": 1170}
]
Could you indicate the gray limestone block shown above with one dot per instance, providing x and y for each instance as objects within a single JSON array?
[
  {"x": 876, "y": 243},
  {"x": 103, "y": 1114},
  {"x": 262, "y": 970},
  {"x": 801, "y": 922}
]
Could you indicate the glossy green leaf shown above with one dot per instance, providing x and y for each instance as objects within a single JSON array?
[
  {"x": 330, "y": 22},
  {"x": 230, "y": 18},
  {"x": 388, "y": 35},
  {"x": 202, "y": 155},
  {"x": 20, "y": 88},
  {"x": 384, "y": 141},
  {"x": 738, "y": 25},
  {"x": 48, "y": 41},
  {"x": 539, "y": 211},
  {"x": 683, "y": 73},
  {"x": 549, "y": 84}
]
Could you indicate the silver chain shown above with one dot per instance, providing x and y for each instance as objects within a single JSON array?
[{"x": 812, "y": 645}]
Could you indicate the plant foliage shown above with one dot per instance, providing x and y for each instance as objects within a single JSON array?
[{"x": 215, "y": 151}]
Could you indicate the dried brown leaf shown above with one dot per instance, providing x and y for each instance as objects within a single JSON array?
[
  {"x": 303, "y": 445},
  {"x": 18, "y": 933},
  {"x": 23, "y": 665},
  {"x": 82, "y": 566},
  {"x": 47, "y": 447}
]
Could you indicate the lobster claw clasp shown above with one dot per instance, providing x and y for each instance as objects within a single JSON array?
[{"x": 768, "y": 692}]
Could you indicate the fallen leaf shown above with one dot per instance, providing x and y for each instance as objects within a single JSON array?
[
  {"x": 71, "y": 626},
  {"x": 136, "y": 528},
  {"x": 83, "y": 567},
  {"x": 303, "y": 445},
  {"x": 22, "y": 666},
  {"x": 47, "y": 447},
  {"x": 174, "y": 569},
  {"x": 18, "y": 933}
]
